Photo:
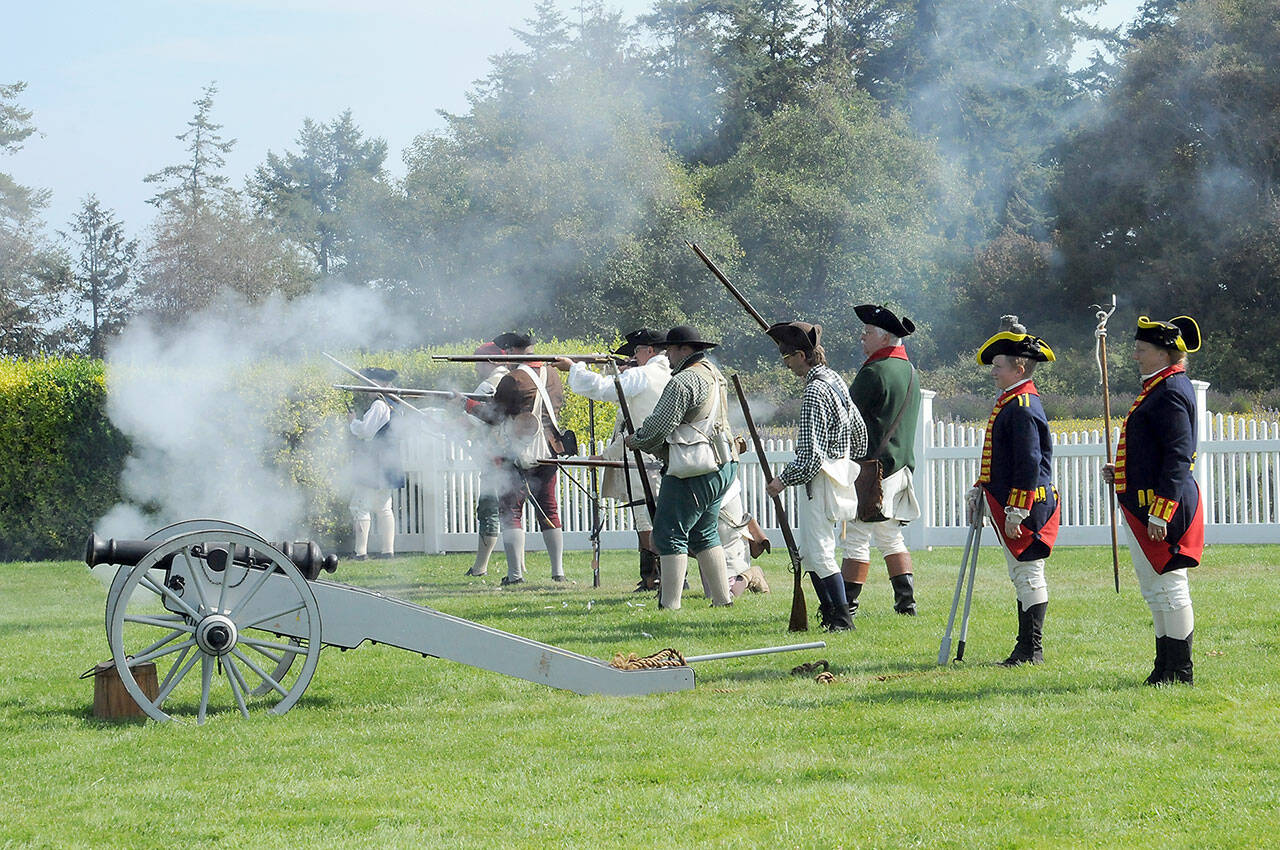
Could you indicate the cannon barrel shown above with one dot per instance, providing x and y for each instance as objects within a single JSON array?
[{"x": 306, "y": 555}]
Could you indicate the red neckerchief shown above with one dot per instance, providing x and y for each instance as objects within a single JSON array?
[
  {"x": 890, "y": 351},
  {"x": 1025, "y": 388},
  {"x": 1147, "y": 386}
]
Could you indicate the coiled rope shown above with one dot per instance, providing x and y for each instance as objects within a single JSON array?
[{"x": 662, "y": 658}]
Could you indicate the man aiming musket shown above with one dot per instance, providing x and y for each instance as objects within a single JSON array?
[{"x": 642, "y": 386}]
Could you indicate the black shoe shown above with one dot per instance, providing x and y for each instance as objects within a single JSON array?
[
  {"x": 471, "y": 574},
  {"x": 1179, "y": 669},
  {"x": 359, "y": 557},
  {"x": 507, "y": 581},
  {"x": 1160, "y": 669},
  {"x": 559, "y": 578},
  {"x": 840, "y": 614}
]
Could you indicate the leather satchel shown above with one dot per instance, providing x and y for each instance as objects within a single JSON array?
[{"x": 868, "y": 483}]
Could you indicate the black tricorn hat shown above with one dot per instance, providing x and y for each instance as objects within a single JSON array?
[
  {"x": 796, "y": 336},
  {"x": 1012, "y": 344},
  {"x": 641, "y": 336},
  {"x": 379, "y": 374},
  {"x": 1181, "y": 333},
  {"x": 513, "y": 339},
  {"x": 883, "y": 317},
  {"x": 686, "y": 335}
]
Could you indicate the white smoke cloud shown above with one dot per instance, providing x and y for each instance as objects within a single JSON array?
[{"x": 197, "y": 401}]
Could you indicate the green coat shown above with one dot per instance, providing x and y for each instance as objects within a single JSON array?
[{"x": 879, "y": 390}]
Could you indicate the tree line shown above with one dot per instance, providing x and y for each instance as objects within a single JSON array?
[{"x": 946, "y": 157}]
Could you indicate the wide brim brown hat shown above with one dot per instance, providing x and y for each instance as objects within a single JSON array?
[
  {"x": 796, "y": 336},
  {"x": 882, "y": 317},
  {"x": 686, "y": 335}
]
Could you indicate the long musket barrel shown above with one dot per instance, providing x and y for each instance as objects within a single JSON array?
[
  {"x": 593, "y": 463},
  {"x": 649, "y": 501},
  {"x": 799, "y": 611},
  {"x": 409, "y": 392},
  {"x": 528, "y": 358},
  {"x": 369, "y": 382},
  {"x": 733, "y": 290}
]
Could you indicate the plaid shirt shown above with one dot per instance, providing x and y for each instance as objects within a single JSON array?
[
  {"x": 830, "y": 427},
  {"x": 685, "y": 392}
]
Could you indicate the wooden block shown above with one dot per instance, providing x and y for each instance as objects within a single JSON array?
[{"x": 110, "y": 699}]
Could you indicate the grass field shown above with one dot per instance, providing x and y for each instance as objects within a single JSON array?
[{"x": 388, "y": 749}]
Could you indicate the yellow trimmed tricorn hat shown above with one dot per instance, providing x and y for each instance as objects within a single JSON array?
[
  {"x": 1181, "y": 333},
  {"x": 883, "y": 317},
  {"x": 796, "y": 336},
  {"x": 1012, "y": 344}
]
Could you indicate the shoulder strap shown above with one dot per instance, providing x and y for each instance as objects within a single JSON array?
[
  {"x": 884, "y": 441},
  {"x": 543, "y": 400}
]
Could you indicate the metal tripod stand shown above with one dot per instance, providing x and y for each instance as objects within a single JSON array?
[{"x": 969, "y": 563}]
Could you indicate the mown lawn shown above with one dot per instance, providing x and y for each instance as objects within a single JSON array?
[{"x": 387, "y": 749}]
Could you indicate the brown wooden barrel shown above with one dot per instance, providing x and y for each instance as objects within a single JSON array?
[{"x": 111, "y": 701}]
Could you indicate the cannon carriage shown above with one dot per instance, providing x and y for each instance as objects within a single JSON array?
[{"x": 254, "y": 615}]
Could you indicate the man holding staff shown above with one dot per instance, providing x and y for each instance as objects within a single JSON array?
[
  {"x": 692, "y": 412},
  {"x": 831, "y": 432},
  {"x": 1015, "y": 487},
  {"x": 886, "y": 392},
  {"x": 642, "y": 385},
  {"x": 1159, "y": 497}
]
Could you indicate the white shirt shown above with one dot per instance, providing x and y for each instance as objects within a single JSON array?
[
  {"x": 600, "y": 387},
  {"x": 378, "y": 415}
]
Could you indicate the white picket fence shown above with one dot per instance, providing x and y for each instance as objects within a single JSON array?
[{"x": 1238, "y": 468}]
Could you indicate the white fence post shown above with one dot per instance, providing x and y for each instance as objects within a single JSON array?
[
  {"x": 916, "y": 533},
  {"x": 1203, "y": 471}
]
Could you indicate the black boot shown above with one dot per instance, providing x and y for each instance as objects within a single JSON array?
[
  {"x": 1022, "y": 648},
  {"x": 1178, "y": 663},
  {"x": 824, "y": 601},
  {"x": 841, "y": 616},
  {"x": 1161, "y": 668},
  {"x": 851, "y": 591},
  {"x": 649, "y": 568},
  {"x": 1035, "y": 637},
  {"x": 904, "y": 594}
]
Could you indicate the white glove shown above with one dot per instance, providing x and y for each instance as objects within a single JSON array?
[
  {"x": 1013, "y": 518},
  {"x": 972, "y": 505}
]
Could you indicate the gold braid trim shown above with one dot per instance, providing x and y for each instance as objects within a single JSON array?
[{"x": 662, "y": 658}]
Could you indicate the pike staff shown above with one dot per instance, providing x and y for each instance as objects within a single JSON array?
[
  {"x": 649, "y": 502},
  {"x": 1100, "y": 353},
  {"x": 799, "y": 611}
]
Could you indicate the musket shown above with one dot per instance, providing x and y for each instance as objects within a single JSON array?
[
  {"x": 799, "y": 611},
  {"x": 408, "y": 392},
  {"x": 595, "y": 499},
  {"x": 591, "y": 463},
  {"x": 369, "y": 382},
  {"x": 1100, "y": 352},
  {"x": 641, "y": 466},
  {"x": 733, "y": 290},
  {"x": 529, "y": 358}
]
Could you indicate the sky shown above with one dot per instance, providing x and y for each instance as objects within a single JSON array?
[{"x": 110, "y": 85}]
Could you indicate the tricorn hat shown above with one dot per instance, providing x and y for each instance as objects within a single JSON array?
[
  {"x": 488, "y": 348},
  {"x": 883, "y": 317},
  {"x": 641, "y": 336},
  {"x": 513, "y": 339},
  {"x": 1012, "y": 344},
  {"x": 1181, "y": 333},
  {"x": 686, "y": 335},
  {"x": 796, "y": 336},
  {"x": 377, "y": 373}
]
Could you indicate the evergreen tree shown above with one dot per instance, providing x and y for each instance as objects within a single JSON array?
[{"x": 101, "y": 276}]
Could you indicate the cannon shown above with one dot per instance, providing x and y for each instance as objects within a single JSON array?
[{"x": 254, "y": 616}]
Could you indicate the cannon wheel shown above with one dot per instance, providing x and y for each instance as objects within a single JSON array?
[{"x": 177, "y": 624}]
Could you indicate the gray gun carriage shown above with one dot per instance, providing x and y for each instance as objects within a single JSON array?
[{"x": 256, "y": 614}]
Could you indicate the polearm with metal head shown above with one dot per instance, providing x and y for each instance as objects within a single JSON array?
[
  {"x": 799, "y": 611},
  {"x": 1100, "y": 352},
  {"x": 371, "y": 383}
]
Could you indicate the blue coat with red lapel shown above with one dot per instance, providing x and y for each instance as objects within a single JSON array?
[{"x": 1017, "y": 471}]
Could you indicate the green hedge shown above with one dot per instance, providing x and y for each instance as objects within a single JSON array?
[{"x": 60, "y": 458}]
